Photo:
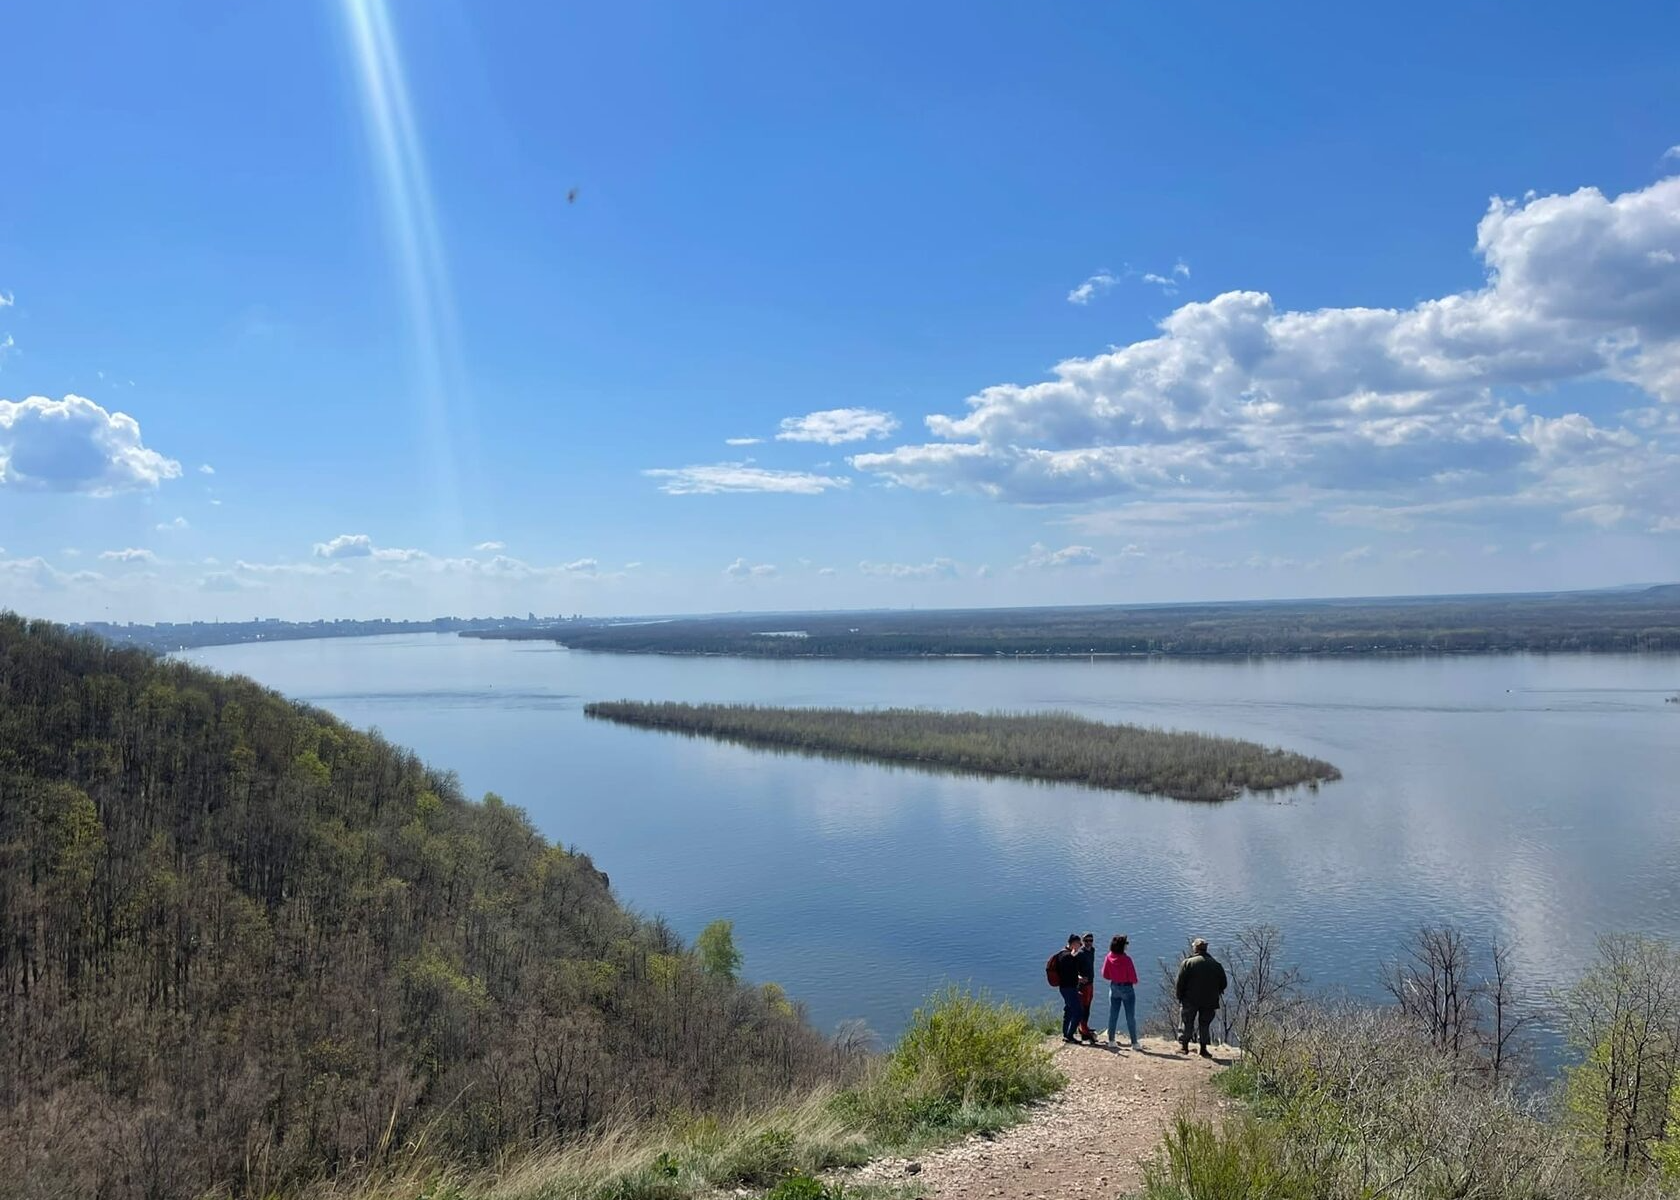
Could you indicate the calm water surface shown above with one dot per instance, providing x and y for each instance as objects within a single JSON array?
[{"x": 1533, "y": 798}]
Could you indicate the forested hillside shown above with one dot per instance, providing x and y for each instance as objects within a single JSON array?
[
  {"x": 244, "y": 946},
  {"x": 1634, "y": 621}
]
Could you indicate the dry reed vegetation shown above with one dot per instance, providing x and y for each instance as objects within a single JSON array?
[{"x": 1054, "y": 746}]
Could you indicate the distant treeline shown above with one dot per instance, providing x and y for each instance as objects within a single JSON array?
[
  {"x": 1054, "y": 746},
  {"x": 244, "y": 947},
  {"x": 1640, "y": 620}
]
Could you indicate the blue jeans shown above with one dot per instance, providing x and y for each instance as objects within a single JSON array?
[
  {"x": 1073, "y": 1011},
  {"x": 1122, "y": 994}
]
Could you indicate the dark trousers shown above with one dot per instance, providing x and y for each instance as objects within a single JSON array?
[
  {"x": 1073, "y": 1010},
  {"x": 1197, "y": 1020}
]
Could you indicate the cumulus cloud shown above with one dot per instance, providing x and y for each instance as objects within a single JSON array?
[
  {"x": 833, "y": 426},
  {"x": 36, "y": 572},
  {"x": 346, "y": 545},
  {"x": 742, "y": 569},
  {"x": 206, "y": 469},
  {"x": 491, "y": 547},
  {"x": 74, "y": 445},
  {"x": 177, "y": 524},
  {"x": 1041, "y": 557},
  {"x": 131, "y": 555},
  {"x": 939, "y": 568},
  {"x": 720, "y": 478},
  {"x": 1237, "y": 400},
  {"x": 581, "y": 566},
  {"x": 1093, "y": 287}
]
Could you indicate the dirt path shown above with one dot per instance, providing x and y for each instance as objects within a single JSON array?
[{"x": 1087, "y": 1141}]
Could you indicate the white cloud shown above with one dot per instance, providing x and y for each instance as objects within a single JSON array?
[
  {"x": 743, "y": 441},
  {"x": 1169, "y": 282},
  {"x": 1041, "y": 557},
  {"x": 74, "y": 445},
  {"x": 1093, "y": 287},
  {"x": 227, "y": 581},
  {"x": 346, "y": 545},
  {"x": 206, "y": 469},
  {"x": 1601, "y": 515},
  {"x": 1240, "y": 400},
  {"x": 581, "y": 566},
  {"x": 632, "y": 566},
  {"x": 721, "y": 478},
  {"x": 131, "y": 555},
  {"x": 939, "y": 568},
  {"x": 1357, "y": 554},
  {"x": 826, "y": 571},
  {"x": 742, "y": 569},
  {"x": 833, "y": 426},
  {"x": 7, "y": 299},
  {"x": 1673, "y": 152},
  {"x": 491, "y": 546},
  {"x": 178, "y": 523},
  {"x": 38, "y": 573},
  {"x": 287, "y": 568}
]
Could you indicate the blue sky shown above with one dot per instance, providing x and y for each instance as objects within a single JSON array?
[{"x": 1024, "y": 304}]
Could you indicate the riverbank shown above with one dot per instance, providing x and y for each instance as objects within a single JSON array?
[{"x": 1055, "y": 747}]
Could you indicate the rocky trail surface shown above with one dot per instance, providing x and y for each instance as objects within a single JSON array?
[{"x": 1090, "y": 1140}]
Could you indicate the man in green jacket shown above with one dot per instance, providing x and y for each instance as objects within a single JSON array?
[{"x": 1201, "y": 981}]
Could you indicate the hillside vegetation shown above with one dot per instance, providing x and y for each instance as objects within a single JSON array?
[
  {"x": 243, "y": 947},
  {"x": 1429, "y": 1097},
  {"x": 1636, "y": 620},
  {"x": 1053, "y": 746}
]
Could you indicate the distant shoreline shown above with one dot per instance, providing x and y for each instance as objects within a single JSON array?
[{"x": 1642, "y": 620}]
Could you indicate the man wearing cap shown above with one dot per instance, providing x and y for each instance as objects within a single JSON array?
[
  {"x": 1087, "y": 986},
  {"x": 1201, "y": 981}
]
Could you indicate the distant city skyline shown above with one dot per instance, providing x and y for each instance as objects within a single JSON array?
[{"x": 352, "y": 309}]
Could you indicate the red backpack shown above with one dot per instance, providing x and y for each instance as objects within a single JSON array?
[{"x": 1051, "y": 973}]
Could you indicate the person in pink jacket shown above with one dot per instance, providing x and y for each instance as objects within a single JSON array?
[{"x": 1122, "y": 978}]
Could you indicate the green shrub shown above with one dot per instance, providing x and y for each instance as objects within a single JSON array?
[
  {"x": 800, "y": 1187},
  {"x": 1242, "y": 1161},
  {"x": 966, "y": 1047}
]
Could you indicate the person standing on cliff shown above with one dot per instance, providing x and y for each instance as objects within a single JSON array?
[
  {"x": 1201, "y": 982},
  {"x": 1087, "y": 985},
  {"x": 1069, "y": 983}
]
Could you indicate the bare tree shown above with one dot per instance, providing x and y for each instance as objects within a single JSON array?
[
  {"x": 1261, "y": 983},
  {"x": 1432, "y": 982},
  {"x": 1507, "y": 1015}
]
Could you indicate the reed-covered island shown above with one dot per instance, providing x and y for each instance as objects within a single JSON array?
[{"x": 1055, "y": 746}]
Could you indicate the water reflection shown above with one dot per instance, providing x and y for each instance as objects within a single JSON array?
[{"x": 1529, "y": 798}]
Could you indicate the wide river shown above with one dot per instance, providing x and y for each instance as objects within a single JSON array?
[{"x": 1533, "y": 798}]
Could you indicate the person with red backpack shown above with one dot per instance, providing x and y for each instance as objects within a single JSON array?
[{"x": 1062, "y": 973}]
